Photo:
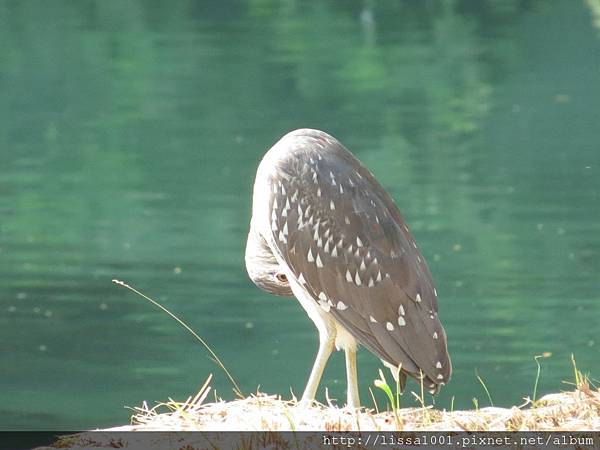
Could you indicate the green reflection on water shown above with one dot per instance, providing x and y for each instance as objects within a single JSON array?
[{"x": 129, "y": 137}]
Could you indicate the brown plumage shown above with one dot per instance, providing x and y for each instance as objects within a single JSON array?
[{"x": 333, "y": 229}]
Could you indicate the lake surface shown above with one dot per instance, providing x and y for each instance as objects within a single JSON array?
[{"x": 130, "y": 133}]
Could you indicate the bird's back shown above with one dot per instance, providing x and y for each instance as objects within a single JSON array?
[{"x": 327, "y": 218}]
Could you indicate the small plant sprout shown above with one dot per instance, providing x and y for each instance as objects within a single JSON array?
[
  {"x": 382, "y": 384},
  {"x": 537, "y": 375},
  {"x": 485, "y": 387},
  {"x": 578, "y": 374}
]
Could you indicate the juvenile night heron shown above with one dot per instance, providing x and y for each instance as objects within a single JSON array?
[{"x": 324, "y": 230}]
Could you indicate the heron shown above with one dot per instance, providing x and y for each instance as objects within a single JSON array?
[{"x": 325, "y": 231}]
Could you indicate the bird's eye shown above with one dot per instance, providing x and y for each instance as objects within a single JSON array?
[{"x": 281, "y": 277}]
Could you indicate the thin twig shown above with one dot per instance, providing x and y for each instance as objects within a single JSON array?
[{"x": 237, "y": 389}]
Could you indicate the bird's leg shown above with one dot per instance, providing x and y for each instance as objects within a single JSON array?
[
  {"x": 326, "y": 343},
  {"x": 353, "y": 401}
]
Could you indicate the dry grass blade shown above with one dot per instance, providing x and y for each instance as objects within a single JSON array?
[{"x": 187, "y": 327}]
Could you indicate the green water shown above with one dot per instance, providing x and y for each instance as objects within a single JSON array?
[{"x": 129, "y": 137}]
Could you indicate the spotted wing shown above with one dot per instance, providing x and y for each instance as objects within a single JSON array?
[{"x": 346, "y": 243}]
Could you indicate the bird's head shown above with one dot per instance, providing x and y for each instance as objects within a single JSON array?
[{"x": 263, "y": 268}]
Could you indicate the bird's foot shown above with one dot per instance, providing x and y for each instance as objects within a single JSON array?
[
  {"x": 306, "y": 402},
  {"x": 352, "y": 406}
]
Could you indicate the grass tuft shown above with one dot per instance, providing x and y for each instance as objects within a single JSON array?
[{"x": 575, "y": 410}]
